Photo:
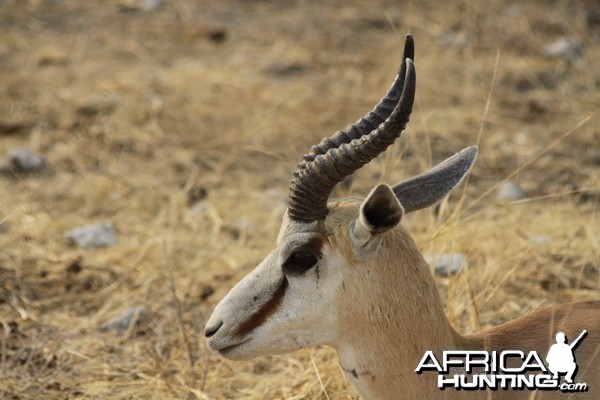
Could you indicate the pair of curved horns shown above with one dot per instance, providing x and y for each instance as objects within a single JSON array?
[{"x": 339, "y": 155}]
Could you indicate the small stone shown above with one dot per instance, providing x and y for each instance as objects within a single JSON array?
[
  {"x": 540, "y": 239},
  {"x": 93, "y": 236},
  {"x": 132, "y": 315},
  {"x": 510, "y": 190},
  {"x": 2, "y": 226},
  {"x": 150, "y": 5},
  {"x": 447, "y": 264},
  {"x": 98, "y": 104},
  {"x": 568, "y": 48},
  {"x": 21, "y": 160},
  {"x": 140, "y": 5}
]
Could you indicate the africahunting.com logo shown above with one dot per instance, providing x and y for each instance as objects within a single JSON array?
[{"x": 508, "y": 369}]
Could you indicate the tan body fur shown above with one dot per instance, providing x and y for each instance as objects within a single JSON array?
[{"x": 385, "y": 336}]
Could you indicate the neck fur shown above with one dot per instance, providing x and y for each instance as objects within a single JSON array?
[{"x": 383, "y": 338}]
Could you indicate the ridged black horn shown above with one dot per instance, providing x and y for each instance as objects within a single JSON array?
[
  {"x": 372, "y": 119},
  {"x": 312, "y": 185}
]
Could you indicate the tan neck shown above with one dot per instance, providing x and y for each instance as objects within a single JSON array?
[
  {"x": 391, "y": 314},
  {"x": 388, "y": 333}
]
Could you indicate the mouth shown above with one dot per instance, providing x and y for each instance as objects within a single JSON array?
[{"x": 225, "y": 351}]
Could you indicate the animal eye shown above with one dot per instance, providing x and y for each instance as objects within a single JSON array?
[{"x": 300, "y": 261}]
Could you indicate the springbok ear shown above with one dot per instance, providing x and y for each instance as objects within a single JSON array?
[
  {"x": 429, "y": 188},
  {"x": 379, "y": 212}
]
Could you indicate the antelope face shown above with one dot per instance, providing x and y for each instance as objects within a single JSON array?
[
  {"x": 290, "y": 300},
  {"x": 286, "y": 303}
]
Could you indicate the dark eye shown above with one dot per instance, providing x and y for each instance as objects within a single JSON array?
[{"x": 300, "y": 261}]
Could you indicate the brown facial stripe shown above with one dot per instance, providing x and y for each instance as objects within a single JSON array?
[
  {"x": 314, "y": 245},
  {"x": 265, "y": 311}
]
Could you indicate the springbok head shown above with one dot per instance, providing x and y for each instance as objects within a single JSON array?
[{"x": 311, "y": 281}]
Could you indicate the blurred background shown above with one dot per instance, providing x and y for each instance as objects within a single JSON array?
[{"x": 146, "y": 148}]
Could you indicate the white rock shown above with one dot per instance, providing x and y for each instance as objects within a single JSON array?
[
  {"x": 150, "y": 5},
  {"x": 22, "y": 160},
  {"x": 140, "y": 5},
  {"x": 447, "y": 264},
  {"x": 568, "y": 48},
  {"x": 101, "y": 234},
  {"x": 540, "y": 239},
  {"x": 126, "y": 319},
  {"x": 510, "y": 190}
]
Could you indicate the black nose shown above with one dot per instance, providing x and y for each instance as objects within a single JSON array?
[{"x": 211, "y": 330}]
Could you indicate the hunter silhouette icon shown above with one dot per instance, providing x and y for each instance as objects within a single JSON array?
[{"x": 560, "y": 357}]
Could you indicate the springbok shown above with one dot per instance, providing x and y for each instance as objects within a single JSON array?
[{"x": 346, "y": 274}]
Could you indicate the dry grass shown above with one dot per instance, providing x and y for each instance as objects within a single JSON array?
[{"x": 233, "y": 116}]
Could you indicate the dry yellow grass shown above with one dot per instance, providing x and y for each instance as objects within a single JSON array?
[{"x": 232, "y": 115}]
